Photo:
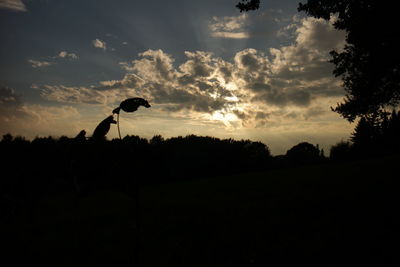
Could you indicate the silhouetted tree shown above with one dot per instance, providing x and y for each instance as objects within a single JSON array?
[
  {"x": 7, "y": 138},
  {"x": 156, "y": 140},
  {"x": 367, "y": 136},
  {"x": 391, "y": 131},
  {"x": 322, "y": 153},
  {"x": 365, "y": 133},
  {"x": 377, "y": 134},
  {"x": 247, "y": 5},
  {"x": 304, "y": 153},
  {"x": 341, "y": 151}
]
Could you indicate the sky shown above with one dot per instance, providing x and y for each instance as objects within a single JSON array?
[{"x": 205, "y": 68}]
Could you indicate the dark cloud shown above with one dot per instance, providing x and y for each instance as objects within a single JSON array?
[
  {"x": 272, "y": 97},
  {"x": 250, "y": 62},
  {"x": 300, "y": 98},
  {"x": 261, "y": 115},
  {"x": 240, "y": 114},
  {"x": 260, "y": 87},
  {"x": 197, "y": 65}
]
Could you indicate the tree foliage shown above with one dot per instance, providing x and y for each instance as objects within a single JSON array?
[
  {"x": 304, "y": 153},
  {"x": 341, "y": 151},
  {"x": 247, "y": 5},
  {"x": 373, "y": 136}
]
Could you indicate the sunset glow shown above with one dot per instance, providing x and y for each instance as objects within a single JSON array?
[{"x": 231, "y": 74}]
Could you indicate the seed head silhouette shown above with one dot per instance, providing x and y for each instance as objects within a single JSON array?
[
  {"x": 130, "y": 105},
  {"x": 102, "y": 129}
]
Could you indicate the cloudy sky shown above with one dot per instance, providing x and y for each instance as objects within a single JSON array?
[{"x": 205, "y": 68}]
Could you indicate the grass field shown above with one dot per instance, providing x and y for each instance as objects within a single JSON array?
[{"x": 336, "y": 214}]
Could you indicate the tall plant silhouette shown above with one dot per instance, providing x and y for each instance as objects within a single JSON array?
[
  {"x": 103, "y": 128},
  {"x": 129, "y": 105}
]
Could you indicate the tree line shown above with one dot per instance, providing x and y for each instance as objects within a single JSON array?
[{"x": 46, "y": 165}]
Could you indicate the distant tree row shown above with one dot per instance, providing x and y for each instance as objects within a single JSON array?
[
  {"x": 45, "y": 165},
  {"x": 305, "y": 153}
]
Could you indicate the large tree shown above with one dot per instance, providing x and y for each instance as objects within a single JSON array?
[{"x": 369, "y": 64}]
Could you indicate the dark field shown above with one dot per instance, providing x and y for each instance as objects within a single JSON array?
[{"x": 333, "y": 214}]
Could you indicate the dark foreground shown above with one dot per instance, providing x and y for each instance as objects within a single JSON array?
[{"x": 337, "y": 214}]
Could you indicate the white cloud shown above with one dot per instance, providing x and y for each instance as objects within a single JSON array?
[
  {"x": 228, "y": 23},
  {"x": 154, "y": 65},
  {"x": 319, "y": 36},
  {"x": 263, "y": 24},
  {"x": 39, "y": 63},
  {"x": 15, "y": 5},
  {"x": 229, "y": 27},
  {"x": 231, "y": 35},
  {"x": 67, "y": 94},
  {"x": 99, "y": 44},
  {"x": 51, "y": 60},
  {"x": 288, "y": 85},
  {"x": 296, "y": 74},
  {"x": 65, "y": 54}
]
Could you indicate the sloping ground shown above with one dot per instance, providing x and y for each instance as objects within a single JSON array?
[{"x": 338, "y": 214}]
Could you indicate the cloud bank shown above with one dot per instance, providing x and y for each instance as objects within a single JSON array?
[{"x": 254, "y": 89}]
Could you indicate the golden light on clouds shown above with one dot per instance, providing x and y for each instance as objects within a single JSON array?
[{"x": 280, "y": 93}]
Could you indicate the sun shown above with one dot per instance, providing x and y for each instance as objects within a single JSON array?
[{"x": 225, "y": 117}]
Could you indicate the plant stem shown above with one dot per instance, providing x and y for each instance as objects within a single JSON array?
[{"x": 119, "y": 132}]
